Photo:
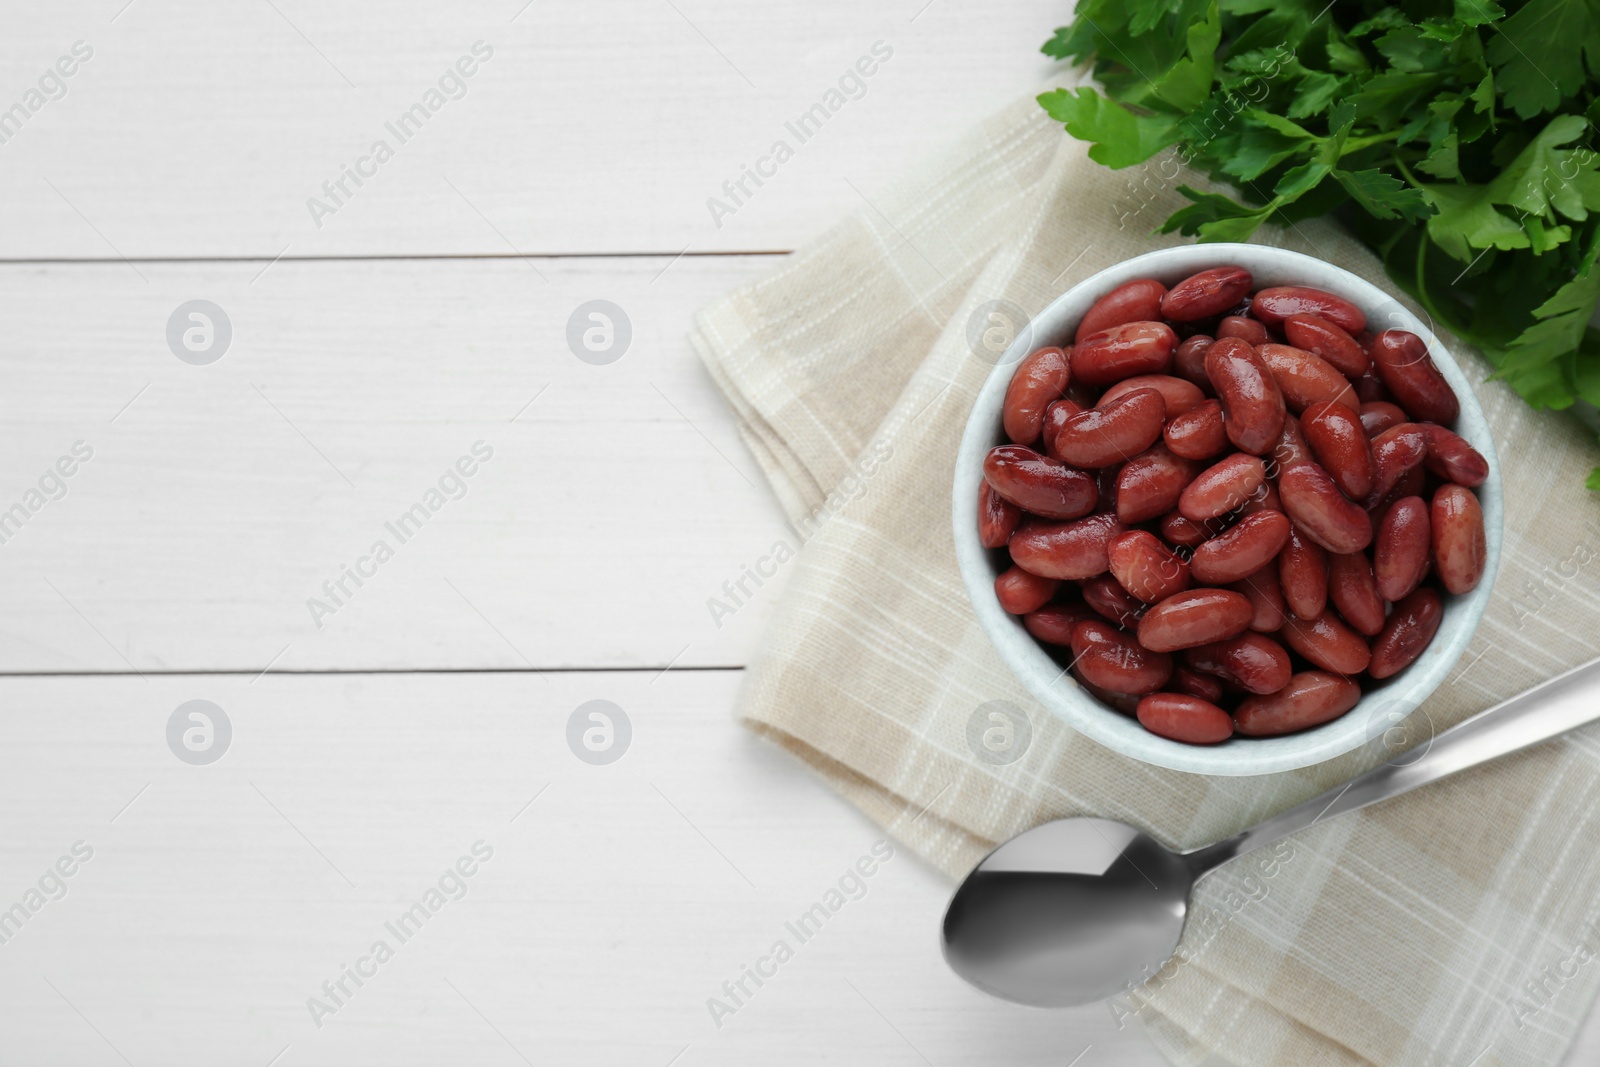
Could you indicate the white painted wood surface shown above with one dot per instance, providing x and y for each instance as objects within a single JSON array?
[{"x": 219, "y": 498}]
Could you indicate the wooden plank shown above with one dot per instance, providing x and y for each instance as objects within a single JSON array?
[
  {"x": 219, "y": 898},
  {"x": 220, "y": 498},
  {"x": 595, "y": 127}
]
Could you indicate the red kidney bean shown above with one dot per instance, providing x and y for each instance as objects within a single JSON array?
[
  {"x": 1305, "y": 379},
  {"x": 1112, "y": 660},
  {"x": 997, "y": 517},
  {"x": 1135, "y": 301},
  {"x": 1250, "y": 544},
  {"x": 1254, "y": 662},
  {"x": 1400, "y": 554},
  {"x": 1317, "y": 335},
  {"x": 1039, "y": 380},
  {"x": 1354, "y": 592},
  {"x": 1180, "y": 396},
  {"x": 1112, "y": 434},
  {"x": 1245, "y": 329},
  {"x": 1394, "y": 452},
  {"x": 1070, "y": 551},
  {"x": 1055, "y": 417},
  {"x": 1378, "y": 415},
  {"x": 1197, "y": 433},
  {"x": 1181, "y": 717},
  {"x": 1291, "y": 449},
  {"x": 1053, "y": 624},
  {"x": 1206, "y": 295},
  {"x": 1403, "y": 363},
  {"x": 1264, "y": 498},
  {"x": 1310, "y": 698},
  {"x": 1369, "y": 389},
  {"x": 1265, "y": 593},
  {"x": 1194, "y": 617},
  {"x": 1274, "y": 306},
  {"x": 1111, "y": 601},
  {"x": 1123, "y": 351},
  {"x": 1222, "y": 487},
  {"x": 1150, "y": 483},
  {"x": 1252, "y": 405},
  {"x": 1177, "y": 530},
  {"x": 1145, "y": 567},
  {"x": 1189, "y": 361},
  {"x": 1195, "y": 684},
  {"x": 1020, "y": 592},
  {"x": 1038, "y": 483},
  {"x": 1339, "y": 442},
  {"x": 1452, "y": 458},
  {"x": 1314, "y": 502},
  {"x": 1327, "y": 642},
  {"x": 1460, "y": 549},
  {"x": 1303, "y": 571},
  {"x": 1410, "y": 629}
]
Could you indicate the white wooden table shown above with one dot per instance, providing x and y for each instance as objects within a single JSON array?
[{"x": 376, "y": 338}]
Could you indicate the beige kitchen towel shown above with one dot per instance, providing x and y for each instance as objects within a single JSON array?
[{"x": 1452, "y": 926}]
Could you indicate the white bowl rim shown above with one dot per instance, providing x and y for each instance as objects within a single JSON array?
[{"x": 1380, "y": 709}]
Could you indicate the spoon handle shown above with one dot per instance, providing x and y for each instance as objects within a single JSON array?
[{"x": 1549, "y": 709}]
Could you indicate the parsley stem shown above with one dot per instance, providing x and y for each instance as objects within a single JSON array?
[
  {"x": 1422, "y": 281},
  {"x": 1359, "y": 143}
]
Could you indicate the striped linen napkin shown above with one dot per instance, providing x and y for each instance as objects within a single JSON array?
[{"x": 1455, "y": 925}]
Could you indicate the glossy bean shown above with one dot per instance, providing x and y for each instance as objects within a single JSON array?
[
  {"x": 1305, "y": 379},
  {"x": 1317, "y": 335},
  {"x": 1126, "y": 703},
  {"x": 1395, "y": 451},
  {"x": 1354, "y": 591},
  {"x": 1112, "y": 660},
  {"x": 1274, "y": 306},
  {"x": 1112, "y": 434},
  {"x": 1222, "y": 487},
  {"x": 1264, "y": 498},
  {"x": 1310, "y": 698},
  {"x": 1105, "y": 595},
  {"x": 1039, "y": 380},
  {"x": 1291, "y": 448},
  {"x": 1189, "y": 361},
  {"x": 1039, "y": 484},
  {"x": 1181, "y": 717},
  {"x": 1252, "y": 405},
  {"x": 1253, "y": 662},
  {"x": 1265, "y": 593},
  {"x": 1369, "y": 388},
  {"x": 1177, "y": 530},
  {"x": 1378, "y": 415},
  {"x": 1192, "y": 682},
  {"x": 1122, "y": 352},
  {"x": 1402, "y": 362},
  {"x": 1180, "y": 396},
  {"x": 1145, "y": 567},
  {"x": 1150, "y": 483},
  {"x": 1020, "y": 592},
  {"x": 1135, "y": 301},
  {"x": 1197, "y": 433},
  {"x": 1194, "y": 617},
  {"x": 1303, "y": 572},
  {"x": 1244, "y": 548},
  {"x": 1401, "y": 550},
  {"x": 1053, "y": 624},
  {"x": 997, "y": 517},
  {"x": 1245, "y": 329},
  {"x": 1070, "y": 551},
  {"x": 1328, "y": 642},
  {"x": 1055, "y": 417},
  {"x": 1409, "y": 630},
  {"x": 1313, "y": 500},
  {"x": 1452, "y": 458},
  {"x": 1339, "y": 441},
  {"x": 1460, "y": 549},
  {"x": 1206, "y": 295}
]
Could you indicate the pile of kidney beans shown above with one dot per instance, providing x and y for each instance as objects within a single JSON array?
[{"x": 1232, "y": 506}]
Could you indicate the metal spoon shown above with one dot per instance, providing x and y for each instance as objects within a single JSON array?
[{"x": 1079, "y": 910}]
